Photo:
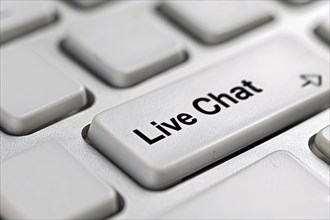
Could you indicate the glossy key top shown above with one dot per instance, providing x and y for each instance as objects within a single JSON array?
[
  {"x": 19, "y": 17},
  {"x": 170, "y": 133},
  {"x": 217, "y": 21},
  {"x": 34, "y": 93}
]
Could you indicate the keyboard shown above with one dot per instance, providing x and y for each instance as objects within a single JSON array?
[{"x": 165, "y": 109}]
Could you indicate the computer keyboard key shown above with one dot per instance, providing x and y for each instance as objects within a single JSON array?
[
  {"x": 123, "y": 49},
  {"x": 34, "y": 93},
  {"x": 47, "y": 182},
  {"x": 322, "y": 141},
  {"x": 216, "y": 21},
  {"x": 278, "y": 186},
  {"x": 170, "y": 133},
  {"x": 324, "y": 30},
  {"x": 19, "y": 17}
]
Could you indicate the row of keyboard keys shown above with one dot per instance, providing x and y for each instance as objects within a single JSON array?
[
  {"x": 34, "y": 93},
  {"x": 127, "y": 52},
  {"x": 19, "y": 17},
  {"x": 47, "y": 182},
  {"x": 131, "y": 50},
  {"x": 182, "y": 130}
]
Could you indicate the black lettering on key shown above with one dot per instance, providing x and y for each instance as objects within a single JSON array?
[
  {"x": 197, "y": 103},
  {"x": 209, "y": 105},
  {"x": 148, "y": 140}
]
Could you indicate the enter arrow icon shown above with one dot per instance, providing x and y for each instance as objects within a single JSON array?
[{"x": 313, "y": 79}]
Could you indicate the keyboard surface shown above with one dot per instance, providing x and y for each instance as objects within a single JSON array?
[{"x": 154, "y": 109}]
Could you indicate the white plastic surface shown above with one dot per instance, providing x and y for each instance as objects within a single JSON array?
[
  {"x": 217, "y": 21},
  {"x": 18, "y": 17},
  {"x": 277, "y": 97},
  {"x": 34, "y": 93},
  {"x": 141, "y": 203},
  {"x": 124, "y": 49},
  {"x": 49, "y": 183},
  {"x": 277, "y": 187},
  {"x": 322, "y": 141}
]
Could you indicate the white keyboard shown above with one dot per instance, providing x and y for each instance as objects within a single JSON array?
[{"x": 165, "y": 109}]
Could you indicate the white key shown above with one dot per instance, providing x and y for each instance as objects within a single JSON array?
[
  {"x": 49, "y": 183},
  {"x": 19, "y": 17},
  {"x": 34, "y": 93},
  {"x": 216, "y": 21},
  {"x": 324, "y": 30},
  {"x": 123, "y": 49},
  {"x": 88, "y": 3},
  {"x": 277, "y": 187},
  {"x": 322, "y": 141},
  {"x": 194, "y": 129}
]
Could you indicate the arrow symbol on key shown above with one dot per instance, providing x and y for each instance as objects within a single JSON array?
[{"x": 313, "y": 79}]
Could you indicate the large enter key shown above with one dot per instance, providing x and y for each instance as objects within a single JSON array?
[{"x": 166, "y": 135}]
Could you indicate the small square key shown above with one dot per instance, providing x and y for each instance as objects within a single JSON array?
[
  {"x": 34, "y": 93},
  {"x": 216, "y": 21},
  {"x": 123, "y": 49},
  {"x": 49, "y": 183}
]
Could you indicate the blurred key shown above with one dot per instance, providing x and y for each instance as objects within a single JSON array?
[
  {"x": 19, "y": 17},
  {"x": 322, "y": 141},
  {"x": 34, "y": 93},
  {"x": 324, "y": 30},
  {"x": 277, "y": 187},
  {"x": 47, "y": 182},
  {"x": 123, "y": 49},
  {"x": 217, "y": 21}
]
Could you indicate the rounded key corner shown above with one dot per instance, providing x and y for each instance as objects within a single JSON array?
[
  {"x": 282, "y": 153},
  {"x": 155, "y": 182}
]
